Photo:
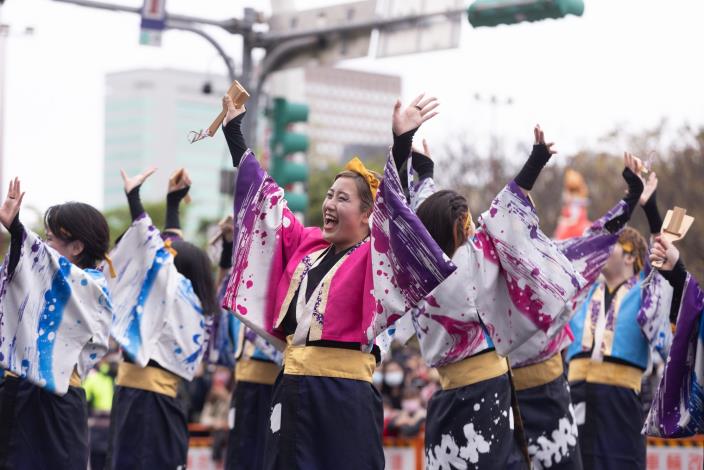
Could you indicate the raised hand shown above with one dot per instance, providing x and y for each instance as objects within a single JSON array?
[
  {"x": 179, "y": 179},
  {"x": 132, "y": 182},
  {"x": 420, "y": 110},
  {"x": 540, "y": 139},
  {"x": 227, "y": 229},
  {"x": 651, "y": 185},
  {"x": 11, "y": 205},
  {"x": 232, "y": 111},
  {"x": 634, "y": 164},
  {"x": 663, "y": 250}
]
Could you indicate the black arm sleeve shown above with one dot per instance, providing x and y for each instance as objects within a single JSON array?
[
  {"x": 528, "y": 175},
  {"x": 423, "y": 165},
  {"x": 402, "y": 147},
  {"x": 226, "y": 255},
  {"x": 135, "y": 203},
  {"x": 635, "y": 189},
  {"x": 653, "y": 214},
  {"x": 16, "y": 232},
  {"x": 173, "y": 200},
  {"x": 677, "y": 277},
  {"x": 235, "y": 139}
]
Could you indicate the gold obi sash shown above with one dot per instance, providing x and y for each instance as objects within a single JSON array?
[
  {"x": 258, "y": 372},
  {"x": 538, "y": 374},
  {"x": 74, "y": 381},
  {"x": 609, "y": 373},
  {"x": 152, "y": 379},
  {"x": 328, "y": 362},
  {"x": 472, "y": 370}
]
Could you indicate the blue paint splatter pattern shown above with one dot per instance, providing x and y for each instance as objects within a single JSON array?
[
  {"x": 54, "y": 317},
  {"x": 157, "y": 314}
]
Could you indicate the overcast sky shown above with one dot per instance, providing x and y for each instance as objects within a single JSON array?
[{"x": 625, "y": 63}]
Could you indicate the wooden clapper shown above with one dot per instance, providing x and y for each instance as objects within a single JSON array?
[
  {"x": 676, "y": 225},
  {"x": 239, "y": 96}
]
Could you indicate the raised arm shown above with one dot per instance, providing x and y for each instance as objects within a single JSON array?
[
  {"x": 132, "y": 185},
  {"x": 10, "y": 219},
  {"x": 179, "y": 185},
  {"x": 405, "y": 123},
  {"x": 673, "y": 270},
  {"x": 539, "y": 157},
  {"x": 232, "y": 129}
]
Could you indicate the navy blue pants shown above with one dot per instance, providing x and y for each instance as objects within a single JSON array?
[
  {"x": 322, "y": 423},
  {"x": 470, "y": 427},
  {"x": 610, "y": 436},
  {"x": 148, "y": 431},
  {"x": 251, "y": 405},
  {"x": 549, "y": 425},
  {"x": 41, "y": 430}
]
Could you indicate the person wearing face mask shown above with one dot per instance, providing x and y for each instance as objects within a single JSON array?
[
  {"x": 324, "y": 295},
  {"x": 393, "y": 383},
  {"x": 56, "y": 313},
  {"x": 511, "y": 284}
]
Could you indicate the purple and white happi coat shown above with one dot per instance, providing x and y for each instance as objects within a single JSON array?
[
  {"x": 54, "y": 316},
  {"x": 588, "y": 254},
  {"x": 157, "y": 314},
  {"x": 372, "y": 288},
  {"x": 511, "y": 285},
  {"x": 678, "y": 407}
]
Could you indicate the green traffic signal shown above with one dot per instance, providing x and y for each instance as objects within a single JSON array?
[
  {"x": 286, "y": 172},
  {"x": 496, "y": 12},
  {"x": 297, "y": 202},
  {"x": 284, "y": 143}
]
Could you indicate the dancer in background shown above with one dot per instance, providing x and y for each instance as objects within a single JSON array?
[
  {"x": 256, "y": 365},
  {"x": 537, "y": 366},
  {"x": 55, "y": 313},
  {"x": 164, "y": 292},
  {"x": 511, "y": 281},
  {"x": 678, "y": 406},
  {"x": 620, "y": 324}
]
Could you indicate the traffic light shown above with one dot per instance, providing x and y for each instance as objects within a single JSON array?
[
  {"x": 282, "y": 144},
  {"x": 496, "y": 12}
]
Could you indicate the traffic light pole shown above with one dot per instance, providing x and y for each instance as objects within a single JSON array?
[{"x": 280, "y": 47}]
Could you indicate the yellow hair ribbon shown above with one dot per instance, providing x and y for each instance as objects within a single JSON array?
[
  {"x": 627, "y": 247},
  {"x": 358, "y": 167},
  {"x": 169, "y": 248},
  {"x": 468, "y": 222},
  {"x": 113, "y": 273}
]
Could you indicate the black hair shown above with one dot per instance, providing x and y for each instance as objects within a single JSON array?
[
  {"x": 74, "y": 221},
  {"x": 195, "y": 265},
  {"x": 443, "y": 214}
]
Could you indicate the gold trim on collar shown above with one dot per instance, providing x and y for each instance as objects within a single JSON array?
[
  {"x": 322, "y": 291},
  {"x": 258, "y": 372},
  {"x": 538, "y": 374},
  {"x": 608, "y": 373},
  {"x": 295, "y": 283},
  {"x": 472, "y": 370},
  {"x": 152, "y": 379}
]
